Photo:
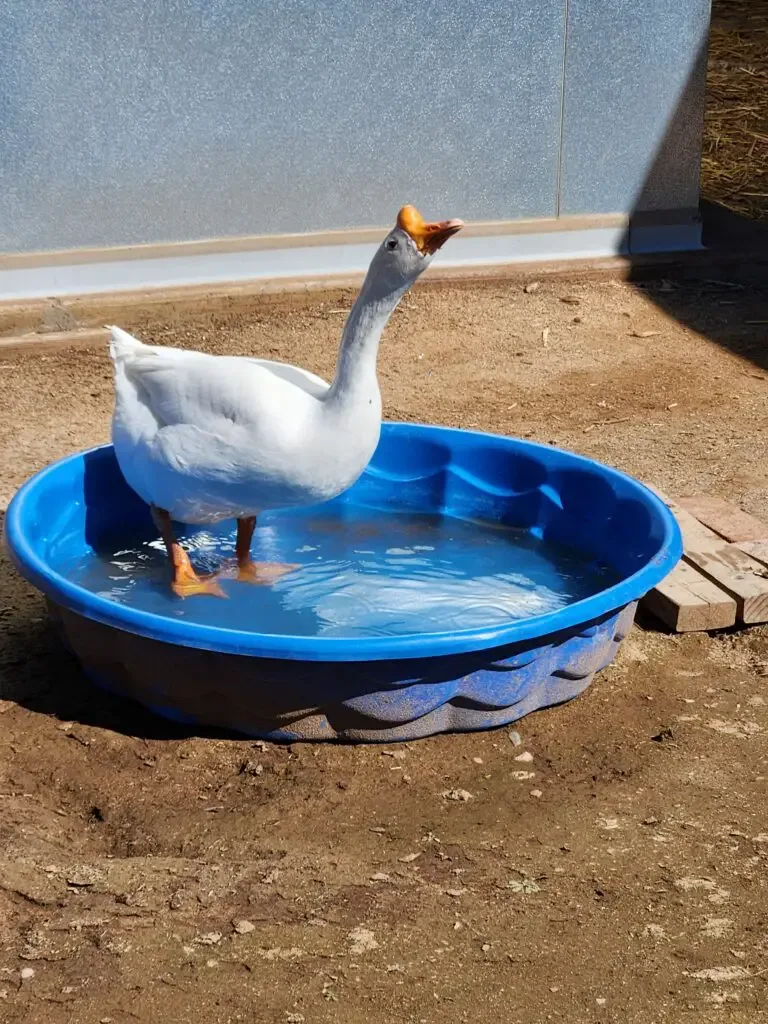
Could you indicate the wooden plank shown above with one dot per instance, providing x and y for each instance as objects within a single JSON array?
[
  {"x": 728, "y": 520},
  {"x": 734, "y": 571},
  {"x": 688, "y": 602},
  {"x": 757, "y": 549}
]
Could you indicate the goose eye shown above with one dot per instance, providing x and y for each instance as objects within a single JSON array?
[{"x": 392, "y": 243}]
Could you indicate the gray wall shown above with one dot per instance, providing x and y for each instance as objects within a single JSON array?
[
  {"x": 128, "y": 121},
  {"x": 634, "y": 102}
]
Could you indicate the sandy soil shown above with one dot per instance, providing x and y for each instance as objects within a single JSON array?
[{"x": 624, "y": 882}]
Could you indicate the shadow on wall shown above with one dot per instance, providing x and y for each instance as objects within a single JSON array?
[{"x": 723, "y": 294}]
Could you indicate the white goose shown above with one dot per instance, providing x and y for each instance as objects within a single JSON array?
[{"x": 202, "y": 438}]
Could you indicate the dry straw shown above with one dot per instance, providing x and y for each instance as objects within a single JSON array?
[{"x": 735, "y": 154}]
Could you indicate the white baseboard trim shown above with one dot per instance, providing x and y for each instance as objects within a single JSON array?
[{"x": 142, "y": 268}]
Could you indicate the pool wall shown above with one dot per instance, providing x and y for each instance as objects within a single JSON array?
[{"x": 384, "y": 701}]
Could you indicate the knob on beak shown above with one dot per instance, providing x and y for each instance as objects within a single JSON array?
[{"x": 428, "y": 237}]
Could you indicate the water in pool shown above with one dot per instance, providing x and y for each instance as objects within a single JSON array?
[{"x": 361, "y": 573}]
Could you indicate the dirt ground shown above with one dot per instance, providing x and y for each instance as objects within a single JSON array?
[{"x": 148, "y": 874}]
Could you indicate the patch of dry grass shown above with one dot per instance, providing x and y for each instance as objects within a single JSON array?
[{"x": 735, "y": 151}]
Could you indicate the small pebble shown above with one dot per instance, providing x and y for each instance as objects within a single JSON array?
[
  {"x": 526, "y": 885},
  {"x": 532, "y": 287},
  {"x": 477, "y": 760},
  {"x": 536, "y": 794},
  {"x": 526, "y": 756},
  {"x": 601, "y": 1002},
  {"x": 27, "y": 973},
  {"x": 211, "y": 963},
  {"x": 523, "y": 776},
  {"x": 485, "y": 947},
  {"x": 654, "y": 931},
  {"x": 362, "y": 939},
  {"x": 515, "y": 739},
  {"x": 244, "y": 927},
  {"x": 462, "y": 795}
]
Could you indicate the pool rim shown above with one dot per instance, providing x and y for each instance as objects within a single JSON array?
[{"x": 337, "y": 649}]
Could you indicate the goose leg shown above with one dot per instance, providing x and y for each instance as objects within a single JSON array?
[
  {"x": 185, "y": 582},
  {"x": 249, "y": 571}
]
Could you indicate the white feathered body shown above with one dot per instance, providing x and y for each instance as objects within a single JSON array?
[{"x": 215, "y": 437}]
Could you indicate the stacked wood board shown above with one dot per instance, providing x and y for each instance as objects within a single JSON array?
[{"x": 722, "y": 579}]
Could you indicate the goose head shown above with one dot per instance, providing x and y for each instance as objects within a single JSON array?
[{"x": 408, "y": 249}]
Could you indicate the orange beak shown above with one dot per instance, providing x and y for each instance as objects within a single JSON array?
[{"x": 428, "y": 237}]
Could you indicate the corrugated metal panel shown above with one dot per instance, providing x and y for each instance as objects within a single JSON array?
[
  {"x": 136, "y": 121},
  {"x": 633, "y": 103}
]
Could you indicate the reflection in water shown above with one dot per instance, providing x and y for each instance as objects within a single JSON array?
[{"x": 362, "y": 573}]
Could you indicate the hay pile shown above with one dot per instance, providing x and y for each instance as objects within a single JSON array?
[{"x": 735, "y": 153}]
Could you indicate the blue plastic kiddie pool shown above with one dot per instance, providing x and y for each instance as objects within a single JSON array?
[{"x": 323, "y": 676}]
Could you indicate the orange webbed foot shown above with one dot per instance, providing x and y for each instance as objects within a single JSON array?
[
  {"x": 262, "y": 573},
  {"x": 197, "y": 586},
  {"x": 187, "y": 583}
]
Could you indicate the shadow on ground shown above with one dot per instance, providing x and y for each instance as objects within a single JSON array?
[
  {"x": 38, "y": 672},
  {"x": 721, "y": 293}
]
